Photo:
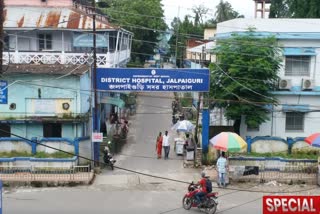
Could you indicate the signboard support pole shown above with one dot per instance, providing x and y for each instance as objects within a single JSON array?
[
  {"x": 94, "y": 75},
  {"x": 205, "y": 129}
]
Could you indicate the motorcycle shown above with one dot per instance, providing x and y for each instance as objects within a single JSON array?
[
  {"x": 209, "y": 202},
  {"x": 107, "y": 157}
]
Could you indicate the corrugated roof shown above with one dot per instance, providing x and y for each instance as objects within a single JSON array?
[
  {"x": 46, "y": 69},
  {"x": 46, "y": 17}
]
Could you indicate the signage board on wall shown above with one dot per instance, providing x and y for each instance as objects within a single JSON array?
[
  {"x": 97, "y": 137},
  {"x": 126, "y": 79},
  {"x": 86, "y": 40},
  {"x": 3, "y": 92}
]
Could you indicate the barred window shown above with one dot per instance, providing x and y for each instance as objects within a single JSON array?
[
  {"x": 45, "y": 41},
  {"x": 297, "y": 66},
  {"x": 294, "y": 121}
]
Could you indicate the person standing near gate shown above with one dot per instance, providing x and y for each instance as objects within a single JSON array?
[
  {"x": 222, "y": 167},
  {"x": 159, "y": 145},
  {"x": 166, "y": 145}
]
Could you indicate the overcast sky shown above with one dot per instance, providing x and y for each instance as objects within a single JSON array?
[{"x": 245, "y": 7}]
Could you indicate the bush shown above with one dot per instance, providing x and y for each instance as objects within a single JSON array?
[
  {"x": 300, "y": 154},
  {"x": 14, "y": 153}
]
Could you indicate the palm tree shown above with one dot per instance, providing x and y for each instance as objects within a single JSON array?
[{"x": 225, "y": 12}]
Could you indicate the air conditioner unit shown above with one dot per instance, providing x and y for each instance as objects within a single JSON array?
[
  {"x": 285, "y": 84},
  {"x": 307, "y": 84}
]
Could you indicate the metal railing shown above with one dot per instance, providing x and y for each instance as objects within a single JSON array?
[
  {"x": 49, "y": 174},
  {"x": 63, "y": 58}
]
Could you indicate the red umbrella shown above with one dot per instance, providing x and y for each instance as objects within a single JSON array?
[{"x": 313, "y": 139}]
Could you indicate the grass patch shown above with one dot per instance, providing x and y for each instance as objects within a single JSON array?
[
  {"x": 53, "y": 155},
  {"x": 14, "y": 153},
  {"x": 313, "y": 155}
]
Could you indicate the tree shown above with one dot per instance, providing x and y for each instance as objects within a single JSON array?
[
  {"x": 225, "y": 12},
  {"x": 279, "y": 9},
  {"x": 246, "y": 73},
  {"x": 182, "y": 31},
  {"x": 145, "y": 18},
  {"x": 294, "y": 9},
  {"x": 199, "y": 11}
]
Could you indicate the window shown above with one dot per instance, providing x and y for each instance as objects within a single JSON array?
[
  {"x": 294, "y": 121},
  {"x": 6, "y": 43},
  {"x": 5, "y": 130},
  {"x": 297, "y": 66},
  {"x": 45, "y": 41},
  {"x": 52, "y": 130}
]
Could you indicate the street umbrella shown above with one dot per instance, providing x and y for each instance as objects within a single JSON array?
[
  {"x": 183, "y": 126},
  {"x": 313, "y": 140},
  {"x": 228, "y": 142}
]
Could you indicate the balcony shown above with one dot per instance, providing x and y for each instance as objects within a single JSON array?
[{"x": 107, "y": 60}]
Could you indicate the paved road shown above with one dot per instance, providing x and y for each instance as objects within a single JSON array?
[{"x": 123, "y": 192}]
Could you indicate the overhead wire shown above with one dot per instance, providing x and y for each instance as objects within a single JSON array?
[{"x": 134, "y": 171}]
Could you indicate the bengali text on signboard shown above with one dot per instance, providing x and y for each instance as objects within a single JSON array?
[{"x": 123, "y": 79}]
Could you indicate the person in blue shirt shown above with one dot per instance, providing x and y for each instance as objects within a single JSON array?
[{"x": 222, "y": 167}]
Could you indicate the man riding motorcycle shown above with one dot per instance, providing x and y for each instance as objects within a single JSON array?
[{"x": 203, "y": 189}]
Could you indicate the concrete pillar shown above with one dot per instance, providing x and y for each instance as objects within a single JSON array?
[
  {"x": 290, "y": 143},
  {"x": 34, "y": 141},
  {"x": 249, "y": 142}
]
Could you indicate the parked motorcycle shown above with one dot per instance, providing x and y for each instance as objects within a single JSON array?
[
  {"x": 209, "y": 202},
  {"x": 107, "y": 157}
]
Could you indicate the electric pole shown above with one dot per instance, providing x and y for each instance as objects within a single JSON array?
[
  {"x": 199, "y": 96},
  {"x": 177, "y": 35}
]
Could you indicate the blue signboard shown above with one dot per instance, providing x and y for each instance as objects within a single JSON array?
[
  {"x": 3, "y": 92},
  {"x": 124, "y": 79}
]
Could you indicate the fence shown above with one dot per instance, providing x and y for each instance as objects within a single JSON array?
[
  {"x": 46, "y": 174},
  {"x": 282, "y": 174}
]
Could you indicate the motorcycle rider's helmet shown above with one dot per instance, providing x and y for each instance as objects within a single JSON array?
[{"x": 203, "y": 174}]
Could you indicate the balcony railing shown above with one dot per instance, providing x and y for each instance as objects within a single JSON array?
[{"x": 103, "y": 60}]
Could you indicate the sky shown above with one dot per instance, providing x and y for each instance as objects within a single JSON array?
[{"x": 244, "y": 7}]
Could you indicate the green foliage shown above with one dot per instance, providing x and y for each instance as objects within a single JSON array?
[
  {"x": 225, "y": 12},
  {"x": 53, "y": 155},
  {"x": 313, "y": 155},
  {"x": 38, "y": 155},
  {"x": 186, "y": 100},
  {"x": 246, "y": 73},
  {"x": 295, "y": 9},
  {"x": 182, "y": 31},
  {"x": 14, "y": 153},
  {"x": 134, "y": 16}
]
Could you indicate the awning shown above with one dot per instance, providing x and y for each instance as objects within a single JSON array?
[
  {"x": 295, "y": 108},
  {"x": 113, "y": 101},
  {"x": 299, "y": 52}
]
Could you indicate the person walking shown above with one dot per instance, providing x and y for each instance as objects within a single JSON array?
[
  {"x": 222, "y": 169},
  {"x": 159, "y": 145},
  {"x": 166, "y": 145}
]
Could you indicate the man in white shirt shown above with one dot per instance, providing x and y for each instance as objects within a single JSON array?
[
  {"x": 222, "y": 169},
  {"x": 166, "y": 145}
]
